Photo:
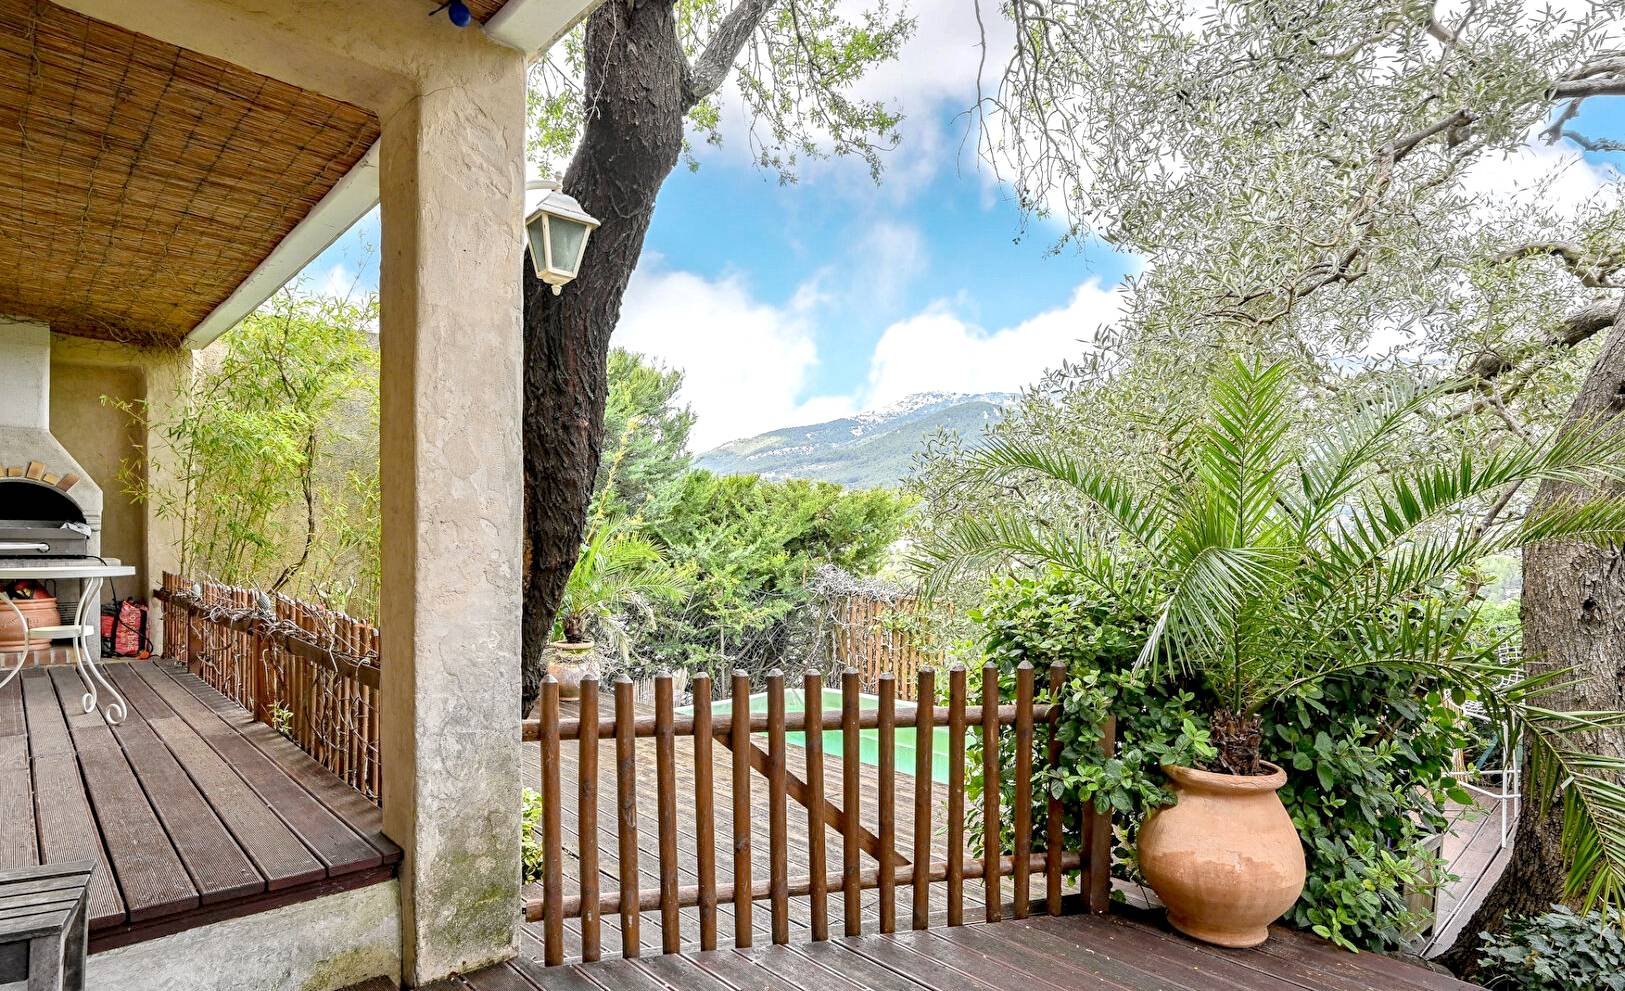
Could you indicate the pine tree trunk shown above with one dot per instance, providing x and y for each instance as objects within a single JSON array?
[
  {"x": 1573, "y": 615},
  {"x": 630, "y": 144}
]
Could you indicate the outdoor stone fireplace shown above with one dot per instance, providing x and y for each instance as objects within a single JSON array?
[{"x": 40, "y": 482}]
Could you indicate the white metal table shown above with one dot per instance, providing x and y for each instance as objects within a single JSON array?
[{"x": 92, "y": 574}]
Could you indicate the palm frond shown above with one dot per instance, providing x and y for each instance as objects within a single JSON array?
[
  {"x": 1391, "y": 513},
  {"x": 978, "y": 543},
  {"x": 1339, "y": 463},
  {"x": 1201, "y": 612},
  {"x": 1588, "y": 786},
  {"x": 1239, "y": 447},
  {"x": 1138, "y": 516}
]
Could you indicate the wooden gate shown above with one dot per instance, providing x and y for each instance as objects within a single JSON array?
[{"x": 886, "y": 868}]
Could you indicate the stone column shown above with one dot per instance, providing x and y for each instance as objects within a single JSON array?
[{"x": 451, "y": 182}]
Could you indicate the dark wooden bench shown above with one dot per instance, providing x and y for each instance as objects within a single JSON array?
[{"x": 44, "y": 925}]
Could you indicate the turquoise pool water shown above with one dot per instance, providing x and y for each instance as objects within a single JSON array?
[{"x": 868, "y": 740}]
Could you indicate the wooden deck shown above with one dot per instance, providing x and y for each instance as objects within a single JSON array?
[
  {"x": 194, "y": 812},
  {"x": 1476, "y": 857},
  {"x": 1069, "y": 953},
  {"x": 649, "y": 852}
]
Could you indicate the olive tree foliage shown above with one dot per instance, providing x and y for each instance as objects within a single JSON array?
[
  {"x": 1368, "y": 190},
  {"x": 1309, "y": 179},
  {"x": 1320, "y": 182}
]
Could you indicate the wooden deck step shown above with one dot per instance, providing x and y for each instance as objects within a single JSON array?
[{"x": 1119, "y": 952}]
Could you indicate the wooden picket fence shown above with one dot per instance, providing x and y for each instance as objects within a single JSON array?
[
  {"x": 888, "y": 870},
  {"x": 309, "y": 672},
  {"x": 865, "y": 641}
]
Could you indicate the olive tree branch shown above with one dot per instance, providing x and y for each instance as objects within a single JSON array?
[{"x": 704, "y": 75}]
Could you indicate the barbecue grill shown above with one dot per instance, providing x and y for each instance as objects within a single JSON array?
[
  {"x": 39, "y": 523},
  {"x": 38, "y": 520}
]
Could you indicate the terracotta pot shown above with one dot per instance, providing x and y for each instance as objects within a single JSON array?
[
  {"x": 1225, "y": 859},
  {"x": 569, "y": 663},
  {"x": 40, "y": 611}
]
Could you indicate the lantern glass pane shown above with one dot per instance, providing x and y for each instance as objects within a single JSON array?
[
  {"x": 537, "y": 231},
  {"x": 568, "y": 239}
]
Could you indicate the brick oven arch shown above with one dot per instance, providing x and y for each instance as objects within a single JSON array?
[{"x": 23, "y": 498}]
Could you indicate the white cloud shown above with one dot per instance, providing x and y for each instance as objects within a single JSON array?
[
  {"x": 1554, "y": 177},
  {"x": 937, "y": 350},
  {"x": 745, "y": 362},
  {"x": 339, "y": 281}
]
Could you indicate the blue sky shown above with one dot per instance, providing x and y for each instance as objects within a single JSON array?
[
  {"x": 775, "y": 297},
  {"x": 791, "y": 304}
]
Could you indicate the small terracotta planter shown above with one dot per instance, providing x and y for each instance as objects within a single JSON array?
[
  {"x": 41, "y": 611},
  {"x": 570, "y": 662},
  {"x": 1225, "y": 859}
]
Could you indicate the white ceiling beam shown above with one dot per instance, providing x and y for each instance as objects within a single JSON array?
[
  {"x": 347, "y": 202},
  {"x": 532, "y": 26}
]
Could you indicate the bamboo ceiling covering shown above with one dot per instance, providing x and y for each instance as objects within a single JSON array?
[
  {"x": 483, "y": 9},
  {"x": 140, "y": 183}
]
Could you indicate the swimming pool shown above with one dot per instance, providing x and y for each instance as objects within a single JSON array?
[{"x": 868, "y": 740}]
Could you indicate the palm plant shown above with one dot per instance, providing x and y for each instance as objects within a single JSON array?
[
  {"x": 618, "y": 570},
  {"x": 1269, "y": 566}
]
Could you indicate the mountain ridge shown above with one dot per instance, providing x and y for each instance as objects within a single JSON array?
[{"x": 863, "y": 450}]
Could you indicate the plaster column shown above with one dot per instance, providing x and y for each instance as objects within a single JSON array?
[
  {"x": 168, "y": 387},
  {"x": 451, "y": 178}
]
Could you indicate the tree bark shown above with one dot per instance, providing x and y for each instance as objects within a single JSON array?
[
  {"x": 1573, "y": 614},
  {"x": 630, "y": 144}
]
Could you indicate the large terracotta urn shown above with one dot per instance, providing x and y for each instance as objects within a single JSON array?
[
  {"x": 40, "y": 611},
  {"x": 1225, "y": 857},
  {"x": 570, "y": 661}
]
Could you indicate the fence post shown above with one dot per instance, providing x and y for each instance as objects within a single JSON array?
[
  {"x": 552, "y": 847},
  {"x": 1098, "y": 873},
  {"x": 992, "y": 892},
  {"x": 956, "y": 795},
  {"x": 812, "y": 732},
  {"x": 587, "y": 816},
  {"x": 1023, "y": 810},
  {"x": 626, "y": 786},
  {"x": 705, "y": 812}
]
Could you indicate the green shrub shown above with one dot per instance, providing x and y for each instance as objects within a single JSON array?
[
  {"x": 530, "y": 840},
  {"x": 1367, "y": 756},
  {"x": 1558, "y": 951}
]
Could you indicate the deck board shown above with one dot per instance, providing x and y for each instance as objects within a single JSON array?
[
  {"x": 1476, "y": 857},
  {"x": 339, "y": 798},
  {"x": 189, "y": 811},
  {"x": 217, "y": 866},
  {"x": 150, "y": 876},
  {"x": 281, "y": 858},
  {"x": 1124, "y": 951},
  {"x": 338, "y": 846},
  {"x": 18, "y": 837}
]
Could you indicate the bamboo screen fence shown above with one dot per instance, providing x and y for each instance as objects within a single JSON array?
[
  {"x": 310, "y": 673},
  {"x": 870, "y": 636}
]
